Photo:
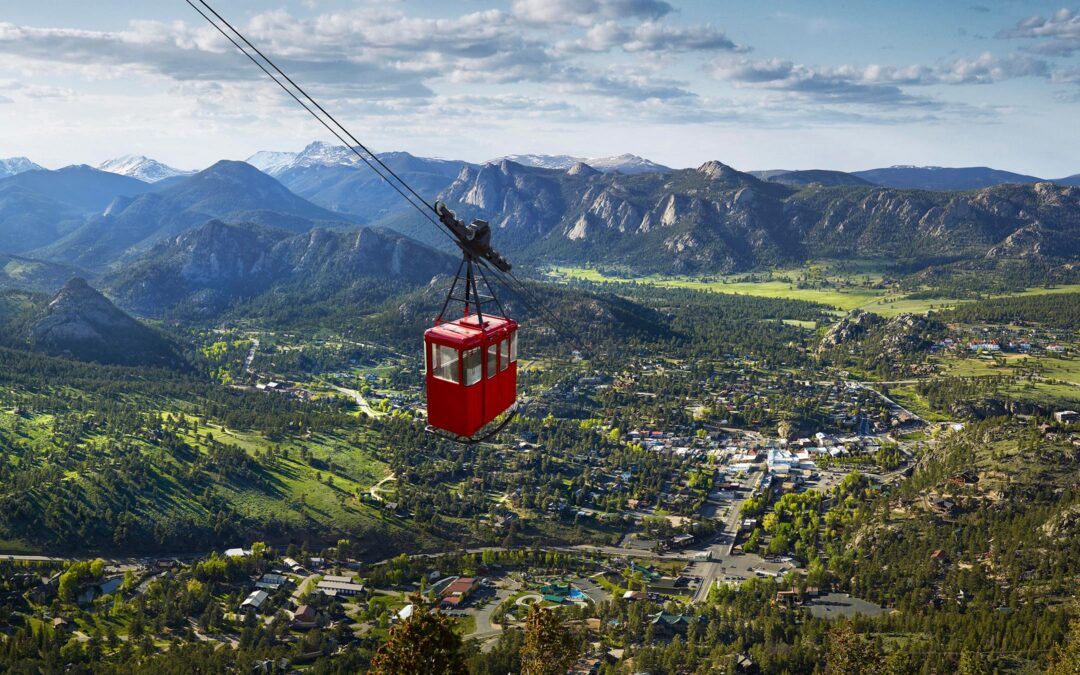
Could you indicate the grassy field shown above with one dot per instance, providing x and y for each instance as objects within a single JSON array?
[
  {"x": 1055, "y": 381},
  {"x": 844, "y": 298},
  {"x": 1066, "y": 368},
  {"x": 315, "y": 484},
  {"x": 322, "y": 489},
  {"x": 844, "y": 290},
  {"x": 910, "y": 399}
]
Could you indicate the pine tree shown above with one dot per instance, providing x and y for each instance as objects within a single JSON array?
[
  {"x": 549, "y": 648},
  {"x": 1066, "y": 658},
  {"x": 424, "y": 643},
  {"x": 849, "y": 653}
]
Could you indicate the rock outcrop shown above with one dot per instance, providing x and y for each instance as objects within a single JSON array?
[{"x": 81, "y": 323}]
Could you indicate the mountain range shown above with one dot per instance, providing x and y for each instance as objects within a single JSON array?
[
  {"x": 205, "y": 269},
  {"x": 336, "y": 178},
  {"x": 322, "y": 218},
  {"x": 625, "y": 163},
  {"x": 138, "y": 215},
  {"x": 715, "y": 218}
]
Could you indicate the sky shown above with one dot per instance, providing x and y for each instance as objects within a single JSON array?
[{"x": 768, "y": 84}]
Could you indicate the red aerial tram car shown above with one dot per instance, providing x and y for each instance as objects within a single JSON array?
[
  {"x": 471, "y": 372},
  {"x": 471, "y": 362}
]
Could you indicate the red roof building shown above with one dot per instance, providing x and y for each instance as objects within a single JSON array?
[{"x": 459, "y": 590}]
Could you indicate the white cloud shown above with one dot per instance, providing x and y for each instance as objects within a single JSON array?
[
  {"x": 874, "y": 84},
  {"x": 654, "y": 37},
  {"x": 588, "y": 12},
  {"x": 35, "y": 91},
  {"x": 1056, "y": 35},
  {"x": 1066, "y": 76}
]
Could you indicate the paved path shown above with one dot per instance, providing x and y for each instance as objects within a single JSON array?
[
  {"x": 301, "y": 588},
  {"x": 365, "y": 407},
  {"x": 529, "y": 600},
  {"x": 484, "y": 628}
]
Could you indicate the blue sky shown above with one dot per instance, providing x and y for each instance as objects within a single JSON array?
[{"x": 768, "y": 84}]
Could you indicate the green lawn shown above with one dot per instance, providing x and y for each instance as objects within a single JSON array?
[{"x": 466, "y": 625}]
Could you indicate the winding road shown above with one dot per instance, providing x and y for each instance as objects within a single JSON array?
[{"x": 365, "y": 407}]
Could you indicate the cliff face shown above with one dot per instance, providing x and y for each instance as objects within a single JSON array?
[{"x": 716, "y": 219}]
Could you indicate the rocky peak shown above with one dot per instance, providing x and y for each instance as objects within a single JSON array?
[
  {"x": 79, "y": 322},
  {"x": 582, "y": 169},
  {"x": 77, "y": 293},
  {"x": 851, "y": 327},
  {"x": 714, "y": 169}
]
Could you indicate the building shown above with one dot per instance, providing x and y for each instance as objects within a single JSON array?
[
  {"x": 271, "y": 582},
  {"x": 336, "y": 585},
  {"x": 681, "y": 540},
  {"x": 670, "y": 586},
  {"x": 459, "y": 590},
  {"x": 1067, "y": 417},
  {"x": 664, "y": 623},
  {"x": 304, "y": 617},
  {"x": 254, "y": 602},
  {"x": 293, "y": 566}
]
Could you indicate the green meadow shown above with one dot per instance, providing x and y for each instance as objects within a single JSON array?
[{"x": 853, "y": 288}]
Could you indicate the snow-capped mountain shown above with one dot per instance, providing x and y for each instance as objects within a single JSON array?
[
  {"x": 271, "y": 162},
  {"x": 16, "y": 165},
  {"x": 143, "y": 168},
  {"x": 325, "y": 154},
  {"x": 625, "y": 163},
  {"x": 561, "y": 162},
  {"x": 315, "y": 154}
]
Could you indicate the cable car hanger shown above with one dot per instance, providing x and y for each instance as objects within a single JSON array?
[{"x": 497, "y": 339}]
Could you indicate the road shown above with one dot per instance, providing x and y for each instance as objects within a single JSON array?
[
  {"x": 301, "y": 588},
  {"x": 365, "y": 407},
  {"x": 374, "y": 489},
  {"x": 861, "y": 385},
  {"x": 251, "y": 354},
  {"x": 36, "y": 558}
]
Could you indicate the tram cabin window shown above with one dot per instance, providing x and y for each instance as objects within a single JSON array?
[
  {"x": 492, "y": 355},
  {"x": 472, "y": 363},
  {"x": 444, "y": 363},
  {"x": 504, "y": 354},
  {"x": 513, "y": 347}
]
